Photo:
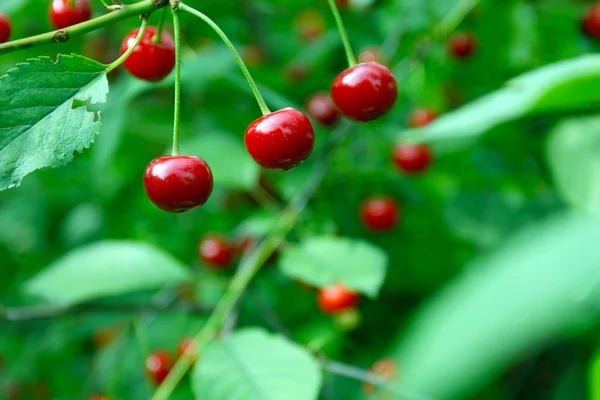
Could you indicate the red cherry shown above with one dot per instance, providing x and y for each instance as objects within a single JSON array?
[
  {"x": 150, "y": 61},
  {"x": 412, "y": 158},
  {"x": 4, "y": 28},
  {"x": 385, "y": 369},
  {"x": 321, "y": 107},
  {"x": 590, "y": 24},
  {"x": 335, "y": 299},
  {"x": 421, "y": 117},
  {"x": 158, "y": 366},
  {"x": 178, "y": 183},
  {"x": 380, "y": 214},
  {"x": 364, "y": 92},
  {"x": 281, "y": 140},
  {"x": 342, "y": 3},
  {"x": 462, "y": 45},
  {"x": 64, "y": 14},
  {"x": 215, "y": 252}
]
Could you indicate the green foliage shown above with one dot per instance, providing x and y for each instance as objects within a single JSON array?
[
  {"x": 449, "y": 330},
  {"x": 255, "y": 365},
  {"x": 325, "y": 261},
  {"x": 43, "y": 118},
  {"x": 106, "y": 269}
]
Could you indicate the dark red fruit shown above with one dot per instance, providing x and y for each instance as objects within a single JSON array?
[
  {"x": 421, "y": 117},
  {"x": 178, "y": 183},
  {"x": 64, "y": 14},
  {"x": 321, "y": 107},
  {"x": 385, "y": 369},
  {"x": 158, "y": 366},
  {"x": 281, "y": 140},
  {"x": 4, "y": 28},
  {"x": 216, "y": 252},
  {"x": 150, "y": 61},
  {"x": 342, "y": 3},
  {"x": 590, "y": 24},
  {"x": 462, "y": 45},
  {"x": 364, "y": 92},
  {"x": 412, "y": 158},
  {"x": 380, "y": 214},
  {"x": 335, "y": 299}
]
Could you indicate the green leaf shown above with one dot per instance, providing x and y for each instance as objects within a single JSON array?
[
  {"x": 324, "y": 261},
  {"x": 541, "y": 286},
  {"x": 574, "y": 157},
  {"x": 255, "y": 365},
  {"x": 39, "y": 126},
  {"x": 567, "y": 85},
  {"x": 106, "y": 268},
  {"x": 229, "y": 162}
]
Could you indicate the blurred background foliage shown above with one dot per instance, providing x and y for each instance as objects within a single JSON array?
[{"x": 498, "y": 313}]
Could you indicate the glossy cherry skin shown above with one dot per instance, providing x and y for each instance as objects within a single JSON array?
[
  {"x": 150, "y": 61},
  {"x": 216, "y": 252},
  {"x": 4, "y": 28},
  {"x": 380, "y": 214},
  {"x": 364, "y": 92},
  {"x": 63, "y": 15},
  {"x": 336, "y": 299},
  {"x": 281, "y": 140},
  {"x": 411, "y": 158},
  {"x": 158, "y": 366},
  {"x": 590, "y": 24},
  {"x": 385, "y": 369},
  {"x": 462, "y": 45},
  {"x": 178, "y": 183},
  {"x": 421, "y": 117},
  {"x": 321, "y": 108}
]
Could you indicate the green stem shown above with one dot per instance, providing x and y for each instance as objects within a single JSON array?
[
  {"x": 340, "y": 24},
  {"x": 259, "y": 99},
  {"x": 177, "y": 28},
  {"x": 454, "y": 17},
  {"x": 159, "y": 28},
  {"x": 131, "y": 48},
  {"x": 63, "y": 35},
  {"x": 246, "y": 272}
]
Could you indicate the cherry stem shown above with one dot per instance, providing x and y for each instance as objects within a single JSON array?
[
  {"x": 157, "y": 36},
  {"x": 63, "y": 35},
  {"x": 137, "y": 41},
  {"x": 343, "y": 34},
  {"x": 259, "y": 99},
  {"x": 177, "y": 29}
]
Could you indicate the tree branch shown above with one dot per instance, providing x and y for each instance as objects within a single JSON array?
[{"x": 63, "y": 35}]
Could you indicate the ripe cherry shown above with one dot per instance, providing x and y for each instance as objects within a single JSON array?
[
  {"x": 280, "y": 140},
  {"x": 335, "y": 299},
  {"x": 65, "y": 13},
  {"x": 321, "y": 107},
  {"x": 421, "y": 117},
  {"x": 4, "y": 28},
  {"x": 385, "y": 369},
  {"x": 590, "y": 24},
  {"x": 462, "y": 45},
  {"x": 150, "y": 61},
  {"x": 364, "y": 92},
  {"x": 158, "y": 366},
  {"x": 380, "y": 214},
  {"x": 412, "y": 158},
  {"x": 215, "y": 252},
  {"x": 178, "y": 183}
]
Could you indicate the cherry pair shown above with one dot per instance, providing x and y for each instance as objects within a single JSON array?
[{"x": 160, "y": 363}]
